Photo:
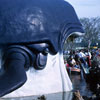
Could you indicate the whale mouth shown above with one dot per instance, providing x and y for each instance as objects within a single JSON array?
[
  {"x": 29, "y": 81},
  {"x": 16, "y": 60},
  {"x": 52, "y": 79}
]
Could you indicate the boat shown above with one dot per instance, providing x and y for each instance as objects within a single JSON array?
[{"x": 73, "y": 70}]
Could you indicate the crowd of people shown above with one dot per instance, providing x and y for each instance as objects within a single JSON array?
[
  {"x": 90, "y": 59},
  {"x": 79, "y": 57}
]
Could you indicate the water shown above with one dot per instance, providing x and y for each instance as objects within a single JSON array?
[
  {"x": 80, "y": 84},
  {"x": 55, "y": 96}
]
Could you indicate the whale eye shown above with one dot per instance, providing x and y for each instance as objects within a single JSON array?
[
  {"x": 41, "y": 61},
  {"x": 40, "y": 51},
  {"x": 35, "y": 55}
]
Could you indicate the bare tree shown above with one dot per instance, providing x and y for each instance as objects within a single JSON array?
[{"x": 92, "y": 29}]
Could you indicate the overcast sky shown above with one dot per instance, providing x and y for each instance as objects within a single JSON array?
[{"x": 86, "y": 8}]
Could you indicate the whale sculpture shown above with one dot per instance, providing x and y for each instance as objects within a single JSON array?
[{"x": 32, "y": 34}]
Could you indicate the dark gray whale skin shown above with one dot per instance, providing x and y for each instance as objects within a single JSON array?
[
  {"x": 24, "y": 21},
  {"x": 24, "y": 26}
]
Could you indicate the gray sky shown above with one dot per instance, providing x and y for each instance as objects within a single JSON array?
[{"x": 86, "y": 8}]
